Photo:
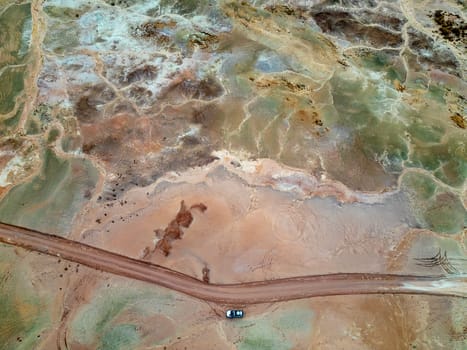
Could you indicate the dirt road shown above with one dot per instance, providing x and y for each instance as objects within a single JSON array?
[{"x": 234, "y": 294}]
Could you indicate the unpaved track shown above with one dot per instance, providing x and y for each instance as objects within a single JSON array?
[{"x": 234, "y": 294}]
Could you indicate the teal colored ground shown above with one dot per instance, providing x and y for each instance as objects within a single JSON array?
[
  {"x": 119, "y": 316},
  {"x": 50, "y": 200},
  {"x": 24, "y": 314},
  {"x": 275, "y": 331},
  {"x": 15, "y": 32}
]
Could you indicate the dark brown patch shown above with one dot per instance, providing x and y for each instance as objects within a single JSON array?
[
  {"x": 184, "y": 217},
  {"x": 153, "y": 29},
  {"x": 451, "y": 26},
  {"x": 143, "y": 73},
  {"x": 186, "y": 157},
  {"x": 458, "y": 120},
  {"x": 266, "y": 83},
  {"x": 346, "y": 26},
  {"x": 87, "y": 106},
  {"x": 108, "y": 148},
  {"x": 205, "y": 272},
  {"x": 174, "y": 230},
  {"x": 203, "y": 40},
  {"x": 281, "y": 10},
  {"x": 85, "y": 110},
  {"x": 199, "y": 206},
  {"x": 141, "y": 95},
  {"x": 164, "y": 246},
  {"x": 309, "y": 120},
  {"x": 191, "y": 140},
  {"x": 440, "y": 56},
  {"x": 205, "y": 89},
  {"x": 88, "y": 147},
  {"x": 399, "y": 86}
]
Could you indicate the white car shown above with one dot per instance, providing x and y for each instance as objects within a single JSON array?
[{"x": 234, "y": 313}]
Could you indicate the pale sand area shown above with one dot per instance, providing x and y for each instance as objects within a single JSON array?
[{"x": 249, "y": 231}]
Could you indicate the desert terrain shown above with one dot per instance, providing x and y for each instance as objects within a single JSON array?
[{"x": 233, "y": 142}]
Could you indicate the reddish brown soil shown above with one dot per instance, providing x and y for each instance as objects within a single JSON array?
[{"x": 173, "y": 231}]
